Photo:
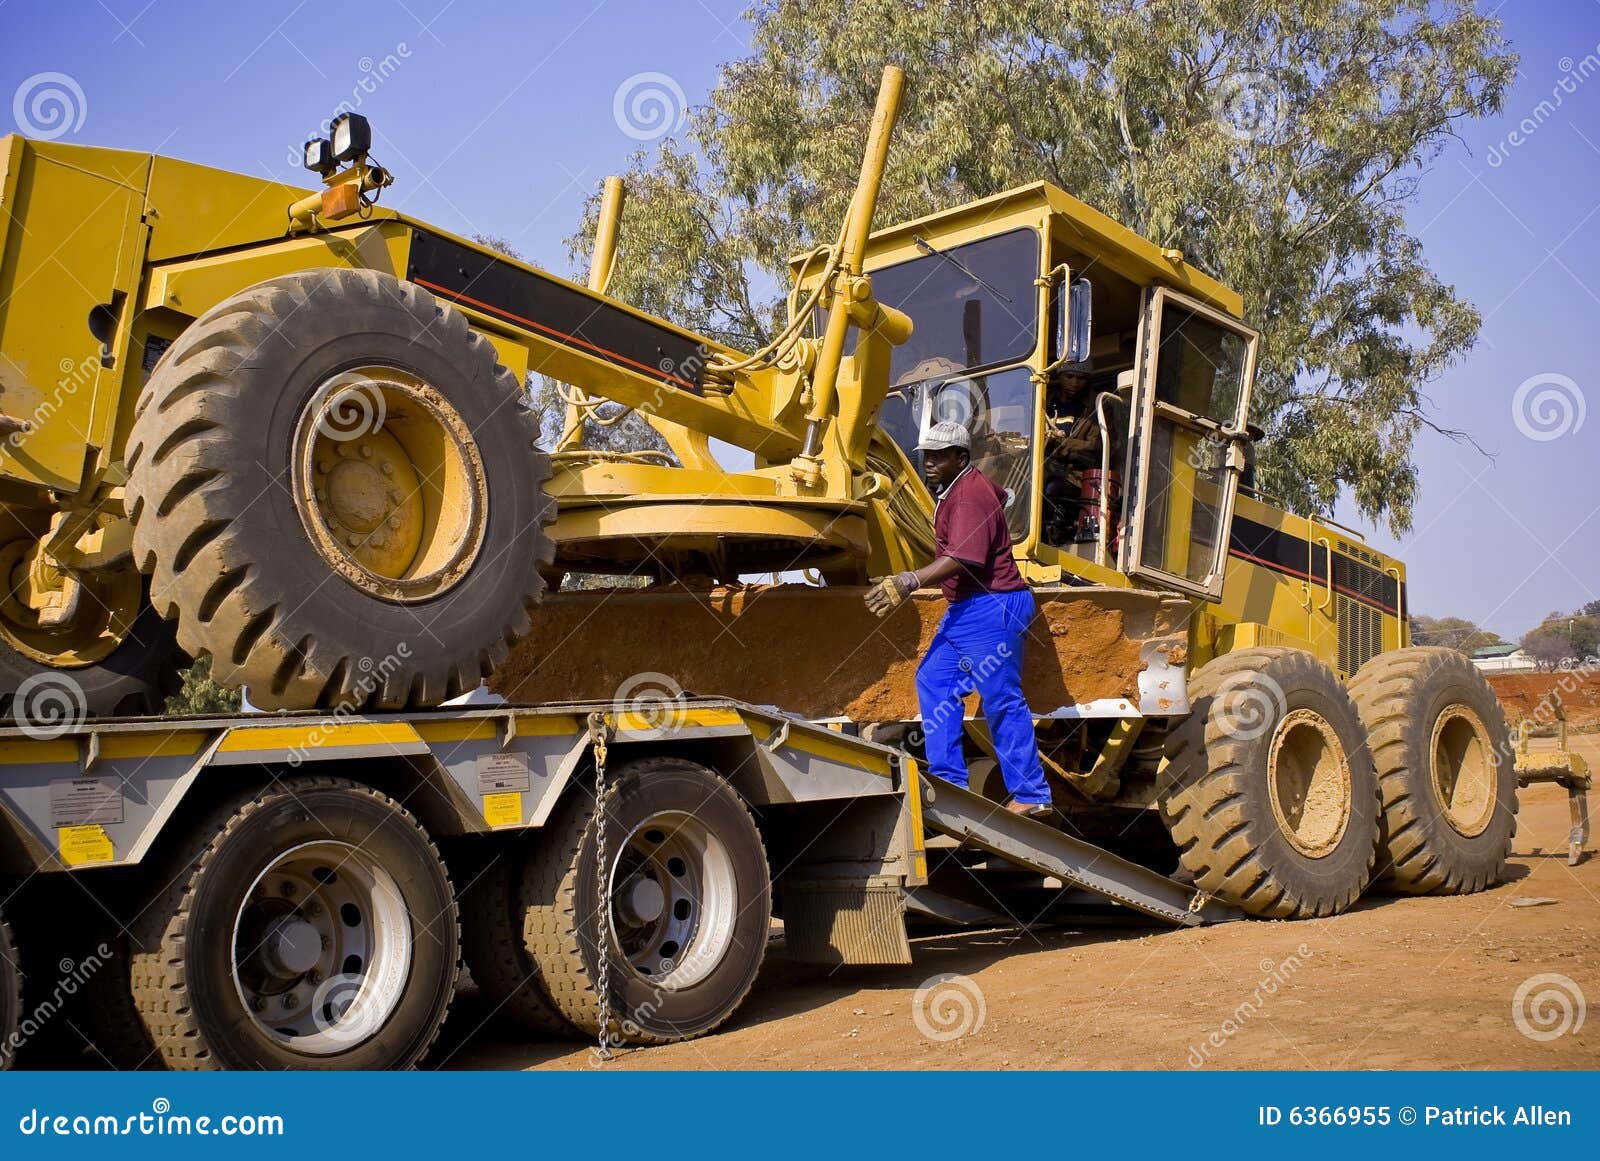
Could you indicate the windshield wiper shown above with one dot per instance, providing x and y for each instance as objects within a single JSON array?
[{"x": 937, "y": 253}]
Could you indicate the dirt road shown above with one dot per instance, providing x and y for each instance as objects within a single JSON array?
[{"x": 1394, "y": 983}]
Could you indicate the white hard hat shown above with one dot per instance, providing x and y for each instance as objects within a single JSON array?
[{"x": 945, "y": 435}]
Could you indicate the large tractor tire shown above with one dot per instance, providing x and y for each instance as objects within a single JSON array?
[
  {"x": 10, "y": 996},
  {"x": 1268, "y": 788},
  {"x": 497, "y": 957},
  {"x": 1447, "y": 769},
  {"x": 311, "y": 926},
  {"x": 114, "y": 656},
  {"x": 688, "y": 904},
  {"x": 336, "y": 494}
]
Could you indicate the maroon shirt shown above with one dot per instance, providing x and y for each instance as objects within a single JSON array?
[{"x": 970, "y": 525}]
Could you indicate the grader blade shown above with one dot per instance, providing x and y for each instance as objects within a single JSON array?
[{"x": 817, "y": 652}]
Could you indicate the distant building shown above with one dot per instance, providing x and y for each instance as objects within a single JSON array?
[{"x": 1503, "y": 659}]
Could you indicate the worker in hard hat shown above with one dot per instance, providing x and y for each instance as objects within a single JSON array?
[{"x": 978, "y": 645}]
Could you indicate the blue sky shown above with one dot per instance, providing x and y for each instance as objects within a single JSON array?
[{"x": 498, "y": 117}]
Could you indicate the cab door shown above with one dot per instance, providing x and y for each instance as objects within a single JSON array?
[{"x": 1192, "y": 395}]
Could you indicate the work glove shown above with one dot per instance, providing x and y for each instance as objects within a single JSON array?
[{"x": 888, "y": 593}]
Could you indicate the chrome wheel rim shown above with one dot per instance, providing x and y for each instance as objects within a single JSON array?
[
  {"x": 322, "y": 948},
  {"x": 674, "y": 900}
]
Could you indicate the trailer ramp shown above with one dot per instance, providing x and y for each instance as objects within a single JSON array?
[{"x": 979, "y": 822}]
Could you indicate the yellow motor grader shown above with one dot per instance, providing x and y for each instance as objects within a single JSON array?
[{"x": 289, "y": 430}]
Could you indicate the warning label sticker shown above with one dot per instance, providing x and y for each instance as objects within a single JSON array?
[
  {"x": 85, "y": 802},
  {"x": 84, "y": 844},
  {"x": 503, "y": 774},
  {"x": 502, "y": 809}
]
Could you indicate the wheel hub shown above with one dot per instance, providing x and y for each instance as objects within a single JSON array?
[
  {"x": 292, "y": 947},
  {"x": 1464, "y": 770},
  {"x": 62, "y": 620},
  {"x": 1309, "y": 777},
  {"x": 389, "y": 483}
]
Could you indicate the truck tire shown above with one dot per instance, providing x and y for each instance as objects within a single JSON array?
[
  {"x": 1446, "y": 767},
  {"x": 687, "y": 925},
  {"x": 336, "y": 494},
  {"x": 10, "y": 996},
  {"x": 309, "y": 926},
  {"x": 491, "y": 937},
  {"x": 1269, "y": 790}
]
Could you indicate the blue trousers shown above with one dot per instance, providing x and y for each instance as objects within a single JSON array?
[{"x": 978, "y": 646}]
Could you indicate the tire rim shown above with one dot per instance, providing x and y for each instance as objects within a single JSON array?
[
  {"x": 106, "y": 606},
  {"x": 674, "y": 900},
  {"x": 389, "y": 484},
  {"x": 1463, "y": 770},
  {"x": 1309, "y": 778},
  {"x": 322, "y": 948}
]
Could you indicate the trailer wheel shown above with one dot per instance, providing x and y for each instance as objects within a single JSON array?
[
  {"x": 311, "y": 926},
  {"x": 1446, "y": 767},
  {"x": 10, "y": 995},
  {"x": 497, "y": 957},
  {"x": 336, "y": 494},
  {"x": 1269, "y": 790},
  {"x": 690, "y": 903}
]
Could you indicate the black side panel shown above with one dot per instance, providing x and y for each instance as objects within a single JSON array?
[
  {"x": 554, "y": 311},
  {"x": 1284, "y": 552}
]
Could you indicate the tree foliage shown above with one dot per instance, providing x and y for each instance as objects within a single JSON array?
[
  {"x": 200, "y": 694},
  {"x": 1277, "y": 144},
  {"x": 1451, "y": 632},
  {"x": 1564, "y": 638}
]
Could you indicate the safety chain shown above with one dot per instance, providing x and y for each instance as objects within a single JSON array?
[{"x": 598, "y": 729}]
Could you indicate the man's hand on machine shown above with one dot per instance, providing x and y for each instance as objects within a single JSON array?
[{"x": 889, "y": 592}]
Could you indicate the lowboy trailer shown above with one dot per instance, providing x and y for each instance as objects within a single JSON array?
[{"x": 298, "y": 890}]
